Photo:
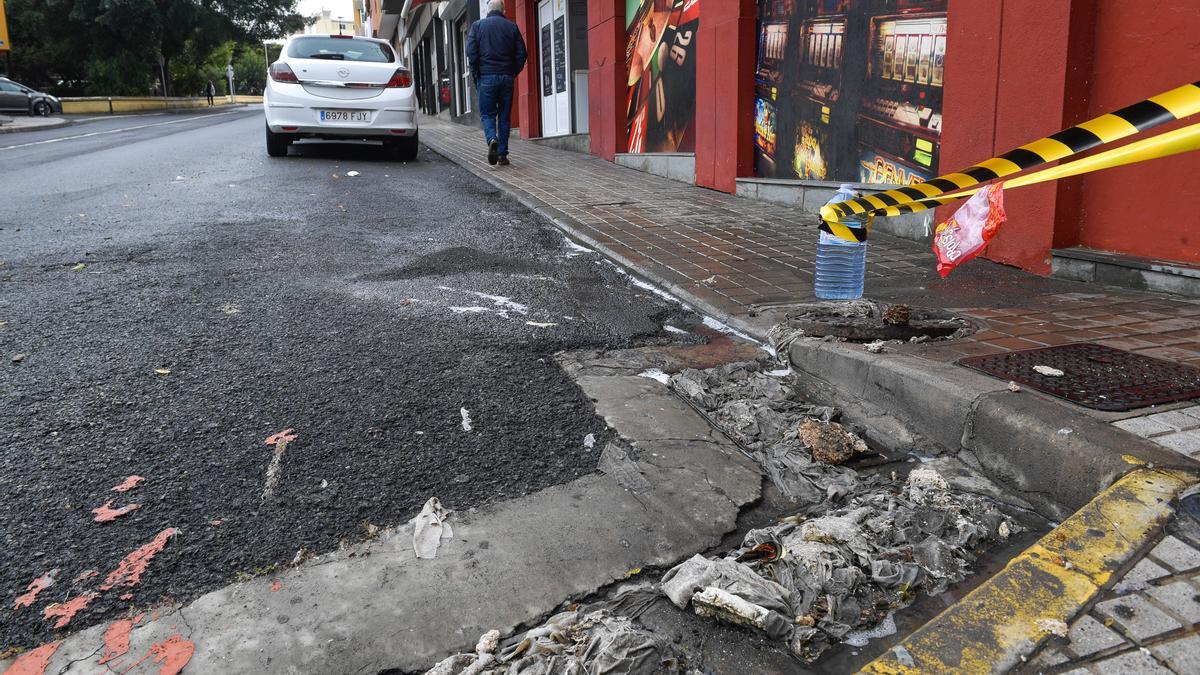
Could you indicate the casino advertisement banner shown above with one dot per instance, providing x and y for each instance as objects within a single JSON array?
[
  {"x": 849, "y": 90},
  {"x": 660, "y": 49}
]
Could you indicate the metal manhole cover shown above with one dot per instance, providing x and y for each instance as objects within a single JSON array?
[{"x": 1095, "y": 376}]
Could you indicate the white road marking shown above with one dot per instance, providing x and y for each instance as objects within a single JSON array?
[{"x": 114, "y": 131}]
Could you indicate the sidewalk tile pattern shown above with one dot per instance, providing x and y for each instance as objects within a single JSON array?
[
  {"x": 1175, "y": 429},
  {"x": 1148, "y": 623}
]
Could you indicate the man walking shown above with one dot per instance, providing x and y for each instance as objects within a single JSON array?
[
  {"x": 211, "y": 90},
  {"x": 496, "y": 51}
]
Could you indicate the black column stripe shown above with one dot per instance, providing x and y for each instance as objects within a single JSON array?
[
  {"x": 1145, "y": 114},
  {"x": 886, "y": 198},
  {"x": 911, "y": 193},
  {"x": 943, "y": 185},
  {"x": 1076, "y": 139},
  {"x": 980, "y": 173},
  {"x": 1023, "y": 158}
]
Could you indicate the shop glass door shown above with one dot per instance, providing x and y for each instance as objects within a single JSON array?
[{"x": 553, "y": 57}]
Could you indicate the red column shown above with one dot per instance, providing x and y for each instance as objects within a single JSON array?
[
  {"x": 1002, "y": 93},
  {"x": 607, "y": 75},
  {"x": 725, "y": 63},
  {"x": 527, "y": 110}
]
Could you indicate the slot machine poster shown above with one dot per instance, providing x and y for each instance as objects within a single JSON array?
[
  {"x": 661, "y": 97},
  {"x": 854, "y": 87}
]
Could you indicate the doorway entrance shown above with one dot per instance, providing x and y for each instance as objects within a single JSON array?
[{"x": 554, "y": 59}]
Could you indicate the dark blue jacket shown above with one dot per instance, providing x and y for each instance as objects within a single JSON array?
[{"x": 495, "y": 46}]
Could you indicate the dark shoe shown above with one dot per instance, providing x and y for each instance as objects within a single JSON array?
[
  {"x": 493, "y": 152},
  {"x": 504, "y": 160}
]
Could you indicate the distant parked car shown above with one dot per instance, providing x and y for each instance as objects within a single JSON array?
[
  {"x": 340, "y": 87},
  {"x": 16, "y": 97}
]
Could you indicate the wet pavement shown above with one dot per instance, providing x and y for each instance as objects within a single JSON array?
[{"x": 170, "y": 298}]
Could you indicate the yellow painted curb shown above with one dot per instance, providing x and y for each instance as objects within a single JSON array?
[{"x": 995, "y": 625}]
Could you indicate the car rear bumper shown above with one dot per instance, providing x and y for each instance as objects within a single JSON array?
[{"x": 392, "y": 115}]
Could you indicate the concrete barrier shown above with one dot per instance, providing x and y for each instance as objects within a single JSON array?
[{"x": 127, "y": 104}]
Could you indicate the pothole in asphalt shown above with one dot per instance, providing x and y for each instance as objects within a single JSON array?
[{"x": 870, "y": 321}]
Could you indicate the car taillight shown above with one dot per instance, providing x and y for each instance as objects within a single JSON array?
[
  {"x": 282, "y": 72},
  {"x": 401, "y": 78}
]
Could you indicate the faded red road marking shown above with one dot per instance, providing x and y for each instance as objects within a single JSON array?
[
  {"x": 107, "y": 514},
  {"x": 285, "y": 435},
  {"x": 129, "y": 571},
  {"x": 128, "y": 484},
  {"x": 127, "y": 596},
  {"x": 33, "y": 662},
  {"x": 116, "y": 638},
  {"x": 65, "y": 611},
  {"x": 276, "y": 586},
  {"x": 174, "y": 653},
  {"x": 36, "y": 586},
  {"x": 215, "y": 523},
  {"x": 84, "y": 576}
]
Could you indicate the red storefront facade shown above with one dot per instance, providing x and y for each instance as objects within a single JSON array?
[{"x": 1014, "y": 71}]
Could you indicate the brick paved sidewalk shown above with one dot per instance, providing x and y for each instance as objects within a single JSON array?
[
  {"x": 1149, "y": 622},
  {"x": 741, "y": 258}
]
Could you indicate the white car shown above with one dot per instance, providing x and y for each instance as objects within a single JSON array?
[{"x": 340, "y": 87}]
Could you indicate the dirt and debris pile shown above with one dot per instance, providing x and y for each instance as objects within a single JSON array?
[
  {"x": 569, "y": 643},
  {"x": 858, "y": 547},
  {"x": 813, "y": 582},
  {"x": 788, "y": 437}
]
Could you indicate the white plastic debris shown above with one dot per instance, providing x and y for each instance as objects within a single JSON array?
[
  {"x": 655, "y": 374},
  {"x": 720, "y": 604},
  {"x": 1053, "y": 627},
  {"x": 876, "y": 347},
  {"x": 589, "y": 441},
  {"x": 1004, "y": 530},
  {"x": 430, "y": 529},
  {"x": 352, "y": 174},
  {"x": 539, "y": 324},
  {"x": 1013, "y": 386},
  {"x": 466, "y": 419},
  {"x": 1048, "y": 371}
]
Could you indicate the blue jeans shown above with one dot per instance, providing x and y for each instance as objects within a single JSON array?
[{"x": 495, "y": 108}]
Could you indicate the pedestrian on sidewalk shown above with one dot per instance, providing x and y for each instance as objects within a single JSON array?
[
  {"x": 211, "y": 90},
  {"x": 496, "y": 51}
]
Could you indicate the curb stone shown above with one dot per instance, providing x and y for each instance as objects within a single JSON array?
[{"x": 60, "y": 123}]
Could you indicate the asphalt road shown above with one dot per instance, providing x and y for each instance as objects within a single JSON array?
[{"x": 170, "y": 297}]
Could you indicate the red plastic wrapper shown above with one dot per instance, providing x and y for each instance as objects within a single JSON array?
[{"x": 970, "y": 229}]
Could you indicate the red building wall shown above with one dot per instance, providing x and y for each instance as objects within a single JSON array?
[
  {"x": 726, "y": 54},
  {"x": 1022, "y": 69},
  {"x": 1141, "y": 49}
]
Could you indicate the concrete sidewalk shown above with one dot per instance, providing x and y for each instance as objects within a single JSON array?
[{"x": 9, "y": 125}]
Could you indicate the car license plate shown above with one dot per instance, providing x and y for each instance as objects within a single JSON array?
[{"x": 345, "y": 116}]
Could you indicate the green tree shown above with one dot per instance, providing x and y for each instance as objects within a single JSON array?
[{"x": 82, "y": 45}]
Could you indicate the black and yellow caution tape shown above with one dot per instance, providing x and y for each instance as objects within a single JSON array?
[
  {"x": 1174, "y": 142},
  {"x": 1166, "y": 107}
]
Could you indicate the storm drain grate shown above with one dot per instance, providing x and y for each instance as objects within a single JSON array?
[{"x": 1094, "y": 376}]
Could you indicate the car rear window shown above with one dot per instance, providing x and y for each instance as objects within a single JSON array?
[{"x": 340, "y": 49}]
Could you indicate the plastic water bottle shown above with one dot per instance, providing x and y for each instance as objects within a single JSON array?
[{"x": 841, "y": 264}]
